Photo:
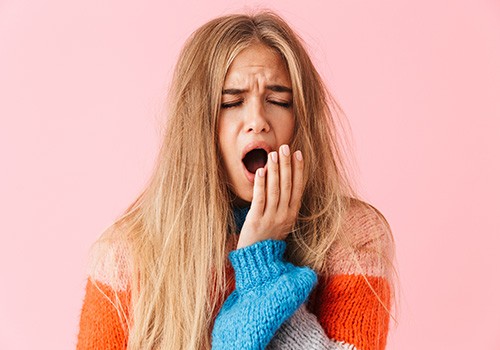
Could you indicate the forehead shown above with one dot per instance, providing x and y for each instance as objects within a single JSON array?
[{"x": 257, "y": 62}]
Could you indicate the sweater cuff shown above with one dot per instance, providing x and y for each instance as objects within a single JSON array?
[{"x": 260, "y": 262}]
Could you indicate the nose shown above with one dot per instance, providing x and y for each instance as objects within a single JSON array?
[{"x": 256, "y": 120}]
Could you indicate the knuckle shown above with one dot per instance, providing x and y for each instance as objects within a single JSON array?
[
  {"x": 287, "y": 184},
  {"x": 275, "y": 191},
  {"x": 280, "y": 223},
  {"x": 284, "y": 218},
  {"x": 285, "y": 160},
  {"x": 259, "y": 200}
]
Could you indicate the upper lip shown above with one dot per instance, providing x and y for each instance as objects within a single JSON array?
[{"x": 254, "y": 145}]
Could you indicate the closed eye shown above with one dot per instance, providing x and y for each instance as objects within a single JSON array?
[
  {"x": 281, "y": 104},
  {"x": 231, "y": 104},
  {"x": 239, "y": 103}
]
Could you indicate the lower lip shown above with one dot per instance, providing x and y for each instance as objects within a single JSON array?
[{"x": 249, "y": 175}]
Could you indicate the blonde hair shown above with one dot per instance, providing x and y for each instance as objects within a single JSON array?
[{"x": 180, "y": 230}]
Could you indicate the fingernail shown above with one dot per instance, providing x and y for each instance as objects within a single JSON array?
[
  {"x": 286, "y": 150},
  {"x": 260, "y": 171},
  {"x": 274, "y": 157},
  {"x": 298, "y": 155}
]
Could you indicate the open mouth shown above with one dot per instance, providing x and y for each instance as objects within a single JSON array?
[{"x": 255, "y": 159}]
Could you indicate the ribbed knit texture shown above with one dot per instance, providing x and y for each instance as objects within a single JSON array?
[
  {"x": 100, "y": 325},
  {"x": 302, "y": 331},
  {"x": 341, "y": 312},
  {"x": 258, "y": 264},
  {"x": 268, "y": 291}
]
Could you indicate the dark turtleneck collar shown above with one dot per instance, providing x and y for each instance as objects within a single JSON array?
[{"x": 240, "y": 213}]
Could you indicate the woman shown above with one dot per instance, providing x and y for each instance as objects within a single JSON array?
[{"x": 248, "y": 234}]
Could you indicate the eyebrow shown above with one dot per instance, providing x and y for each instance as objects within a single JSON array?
[{"x": 275, "y": 88}]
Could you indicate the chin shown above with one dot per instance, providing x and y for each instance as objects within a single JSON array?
[{"x": 243, "y": 199}]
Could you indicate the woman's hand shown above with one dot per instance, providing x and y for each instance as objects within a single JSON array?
[{"x": 276, "y": 198}]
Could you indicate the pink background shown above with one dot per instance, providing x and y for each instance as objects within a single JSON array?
[{"x": 81, "y": 87}]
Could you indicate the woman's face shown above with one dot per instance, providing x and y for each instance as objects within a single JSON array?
[{"x": 256, "y": 112}]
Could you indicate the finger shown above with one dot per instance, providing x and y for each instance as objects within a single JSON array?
[
  {"x": 259, "y": 192},
  {"x": 272, "y": 182},
  {"x": 285, "y": 170},
  {"x": 297, "y": 181}
]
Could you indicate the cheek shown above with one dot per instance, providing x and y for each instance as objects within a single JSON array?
[
  {"x": 287, "y": 129},
  {"x": 226, "y": 139},
  {"x": 291, "y": 129}
]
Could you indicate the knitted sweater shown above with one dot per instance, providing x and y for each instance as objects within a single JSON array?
[{"x": 273, "y": 304}]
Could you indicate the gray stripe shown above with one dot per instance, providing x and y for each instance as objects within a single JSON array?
[{"x": 303, "y": 331}]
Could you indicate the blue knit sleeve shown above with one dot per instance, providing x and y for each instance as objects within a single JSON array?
[{"x": 268, "y": 291}]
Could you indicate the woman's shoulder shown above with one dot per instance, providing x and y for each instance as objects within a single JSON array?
[
  {"x": 365, "y": 244},
  {"x": 110, "y": 259},
  {"x": 363, "y": 223}
]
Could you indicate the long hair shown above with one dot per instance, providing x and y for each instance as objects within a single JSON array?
[{"x": 180, "y": 229}]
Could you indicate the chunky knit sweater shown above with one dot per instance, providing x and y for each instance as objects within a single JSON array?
[{"x": 273, "y": 304}]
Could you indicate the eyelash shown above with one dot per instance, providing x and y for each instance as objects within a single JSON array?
[{"x": 239, "y": 103}]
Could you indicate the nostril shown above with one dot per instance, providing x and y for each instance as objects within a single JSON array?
[{"x": 259, "y": 129}]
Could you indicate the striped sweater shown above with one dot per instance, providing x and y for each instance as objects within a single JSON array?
[{"x": 274, "y": 304}]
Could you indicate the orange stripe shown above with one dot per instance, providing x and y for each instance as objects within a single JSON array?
[
  {"x": 349, "y": 311},
  {"x": 100, "y": 325}
]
